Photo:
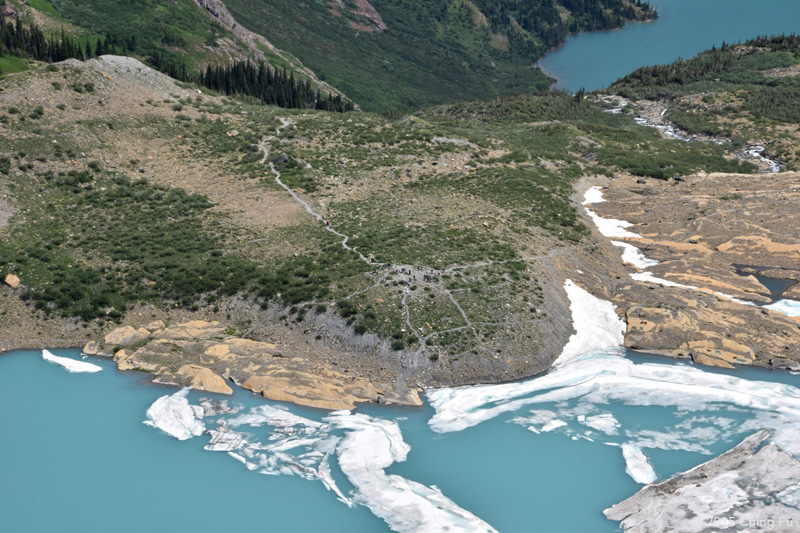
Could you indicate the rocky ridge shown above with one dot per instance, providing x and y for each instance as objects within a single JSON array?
[{"x": 217, "y": 10}]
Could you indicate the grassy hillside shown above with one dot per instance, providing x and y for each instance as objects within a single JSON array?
[
  {"x": 462, "y": 201},
  {"x": 406, "y": 53}
]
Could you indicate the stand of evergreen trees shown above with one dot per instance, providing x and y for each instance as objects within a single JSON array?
[
  {"x": 544, "y": 19},
  {"x": 714, "y": 61},
  {"x": 17, "y": 40},
  {"x": 270, "y": 86},
  {"x": 242, "y": 78}
]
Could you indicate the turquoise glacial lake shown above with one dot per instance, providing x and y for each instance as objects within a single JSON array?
[
  {"x": 76, "y": 456},
  {"x": 684, "y": 28}
]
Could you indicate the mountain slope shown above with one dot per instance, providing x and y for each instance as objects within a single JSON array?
[
  {"x": 459, "y": 220},
  {"x": 181, "y": 38},
  {"x": 407, "y": 53}
]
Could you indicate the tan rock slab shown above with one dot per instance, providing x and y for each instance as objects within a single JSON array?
[
  {"x": 748, "y": 244},
  {"x": 156, "y": 325},
  {"x": 126, "y": 336},
  {"x": 248, "y": 347},
  {"x": 12, "y": 281},
  {"x": 204, "y": 379},
  {"x": 91, "y": 348},
  {"x": 218, "y": 350},
  {"x": 325, "y": 390},
  {"x": 195, "y": 329}
]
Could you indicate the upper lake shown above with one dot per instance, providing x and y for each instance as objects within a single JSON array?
[{"x": 684, "y": 28}]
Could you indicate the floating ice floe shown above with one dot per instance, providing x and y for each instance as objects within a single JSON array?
[
  {"x": 175, "y": 416},
  {"x": 605, "y": 423},
  {"x": 304, "y": 447},
  {"x": 787, "y": 307},
  {"x": 602, "y": 377},
  {"x": 70, "y": 364},
  {"x": 273, "y": 416},
  {"x": 369, "y": 447},
  {"x": 637, "y": 465},
  {"x": 553, "y": 424}
]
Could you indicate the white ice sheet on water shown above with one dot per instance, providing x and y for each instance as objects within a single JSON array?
[
  {"x": 603, "y": 375},
  {"x": 787, "y": 307},
  {"x": 174, "y": 415},
  {"x": 71, "y": 365},
  {"x": 597, "y": 328},
  {"x": 362, "y": 446},
  {"x": 637, "y": 465},
  {"x": 370, "y": 446}
]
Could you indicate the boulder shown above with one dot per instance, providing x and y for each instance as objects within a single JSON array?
[
  {"x": 204, "y": 379},
  {"x": 91, "y": 348},
  {"x": 195, "y": 329},
  {"x": 12, "y": 281},
  {"x": 156, "y": 325},
  {"x": 283, "y": 158},
  {"x": 126, "y": 336}
]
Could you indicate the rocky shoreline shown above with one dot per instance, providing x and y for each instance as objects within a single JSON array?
[{"x": 321, "y": 363}]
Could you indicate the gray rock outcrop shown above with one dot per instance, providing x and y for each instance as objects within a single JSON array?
[{"x": 744, "y": 489}]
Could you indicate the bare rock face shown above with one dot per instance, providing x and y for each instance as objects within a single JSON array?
[
  {"x": 12, "y": 281},
  {"x": 200, "y": 355},
  {"x": 793, "y": 292},
  {"x": 91, "y": 348},
  {"x": 710, "y": 234},
  {"x": 203, "y": 378},
  {"x": 744, "y": 489},
  {"x": 304, "y": 384},
  {"x": 711, "y": 331},
  {"x": 126, "y": 336}
]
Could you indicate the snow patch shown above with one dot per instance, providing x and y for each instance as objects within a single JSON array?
[
  {"x": 596, "y": 324},
  {"x": 70, "y": 364},
  {"x": 634, "y": 256},
  {"x": 593, "y": 196},
  {"x": 609, "y": 227}
]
